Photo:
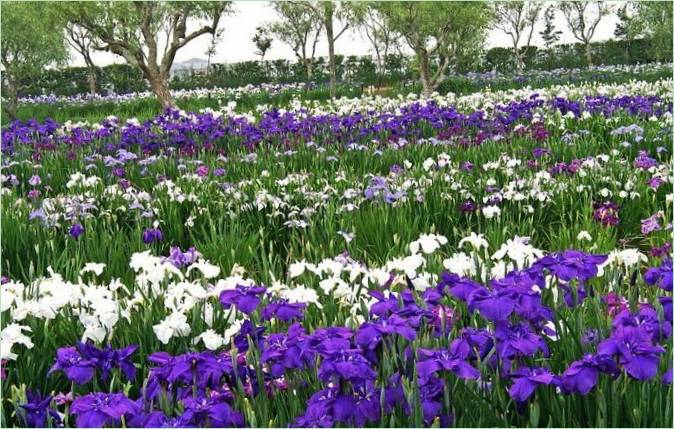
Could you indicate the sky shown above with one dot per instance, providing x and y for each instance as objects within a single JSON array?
[{"x": 235, "y": 44}]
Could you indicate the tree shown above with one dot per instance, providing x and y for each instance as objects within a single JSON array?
[
  {"x": 656, "y": 22},
  {"x": 583, "y": 17},
  {"x": 81, "y": 41},
  {"x": 262, "y": 42},
  {"x": 327, "y": 12},
  {"x": 628, "y": 27},
  {"x": 550, "y": 34},
  {"x": 517, "y": 19},
  {"x": 440, "y": 34},
  {"x": 211, "y": 49},
  {"x": 33, "y": 39},
  {"x": 300, "y": 29},
  {"x": 381, "y": 36},
  {"x": 131, "y": 30}
]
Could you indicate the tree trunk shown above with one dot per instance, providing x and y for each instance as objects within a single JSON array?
[
  {"x": 427, "y": 86},
  {"x": 588, "y": 54},
  {"x": 12, "y": 98},
  {"x": 331, "y": 50},
  {"x": 92, "y": 80},
  {"x": 519, "y": 59},
  {"x": 309, "y": 67},
  {"x": 160, "y": 87}
]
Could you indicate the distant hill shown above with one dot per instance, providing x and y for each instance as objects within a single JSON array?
[{"x": 189, "y": 65}]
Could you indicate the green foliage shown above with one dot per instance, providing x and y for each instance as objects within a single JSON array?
[
  {"x": 656, "y": 18},
  {"x": 33, "y": 39}
]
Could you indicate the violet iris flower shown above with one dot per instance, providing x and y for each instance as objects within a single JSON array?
[
  {"x": 37, "y": 411},
  {"x": 78, "y": 369},
  {"x": 211, "y": 412},
  {"x": 108, "y": 358},
  {"x": 528, "y": 379},
  {"x": 660, "y": 276},
  {"x": 98, "y": 409},
  {"x": 349, "y": 364},
  {"x": 495, "y": 305},
  {"x": 151, "y": 235},
  {"x": 76, "y": 230},
  {"x": 284, "y": 310},
  {"x": 432, "y": 361},
  {"x": 244, "y": 298},
  {"x": 634, "y": 350},
  {"x": 571, "y": 264},
  {"x": 582, "y": 375}
]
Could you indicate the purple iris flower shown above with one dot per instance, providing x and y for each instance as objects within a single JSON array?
[
  {"x": 151, "y": 235},
  {"x": 607, "y": 213},
  {"x": 528, "y": 379},
  {"x": 211, "y": 412},
  {"x": 98, "y": 409},
  {"x": 319, "y": 411},
  {"x": 37, "y": 411},
  {"x": 650, "y": 224},
  {"x": 284, "y": 310},
  {"x": 244, "y": 298},
  {"x": 517, "y": 340},
  {"x": 76, "y": 230},
  {"x": 74, "y": 365},
  {"x": 354, "y": 410},
  {"x": 370, "y": 334},
  {"x": 667, "y": 376},
  {"x": 248, "y": 329},
  {"x": 157, "y": 419},
  {"x": 644, "y": 162},
  {"x": 349, "y": 364},
  {"x": 660, "y": 276},
  {"x": 459, "y": 287},
  {"x": 182, "y": 259},
  {"x": 655, "y": 182},
  {"x": 431, "y": 396},
  {"x": 582, "y": 375},
  {"x": 34, "y": 180},
  {"x": 571, "y": 264},
  {"x": 493, "y": 305},
  {"x": 634, "y": 350},
  {"x": 108, "y": 358},
  {"x": 646, "y": 319},
  {"x": 287, "y": 351},
  {"x": 468, "y": 206},
  {"x": 453, "y": 360}
]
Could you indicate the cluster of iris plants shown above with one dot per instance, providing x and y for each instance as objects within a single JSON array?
[
  {"x": 144, "y": 104},
  {"x": 494, "y": 259}
]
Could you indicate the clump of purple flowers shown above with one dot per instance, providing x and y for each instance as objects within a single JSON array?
[
  {"x": 151, "y": 235},
  {"x": 607, "y": 213}
]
